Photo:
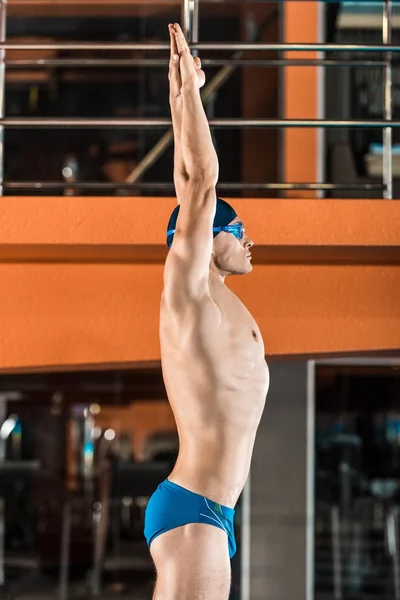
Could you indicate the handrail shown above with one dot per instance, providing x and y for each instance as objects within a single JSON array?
[
  {"x": 215, "y": 46},
  {"x": 238, "y": 123},
  {"x": 206, "y": 62},
  {"x": 169, "y": 186}
]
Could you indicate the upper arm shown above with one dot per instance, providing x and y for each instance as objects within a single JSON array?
[{"x": 187, "y": 266}]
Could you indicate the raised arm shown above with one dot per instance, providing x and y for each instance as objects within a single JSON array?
[
  {"x": 175, "y": 102},
  {"x": 195, "y": 175}
]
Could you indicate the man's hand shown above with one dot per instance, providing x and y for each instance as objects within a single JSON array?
[
  {"x": 186, "y": 70},
  {"x": 194, "y": 149},
  {"x": 174, "y": 76},
  {"x": 175, "y": 101},
  {"x": 179, "y": 48},
  {"x": 175, "y": 91}
]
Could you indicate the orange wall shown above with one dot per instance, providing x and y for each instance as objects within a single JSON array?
[
  {"x": 76, "y": 314},
  {"x": 326, "y": 277},
  {"x": 300, "y": 91},
  {"x": 47, "y": 225}
]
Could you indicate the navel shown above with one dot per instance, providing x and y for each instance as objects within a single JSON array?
[{"x": 255, "y": 336}]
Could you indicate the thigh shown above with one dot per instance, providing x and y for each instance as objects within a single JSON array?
[{"x": 192, "y": 562}]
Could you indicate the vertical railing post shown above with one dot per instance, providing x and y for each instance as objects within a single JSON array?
[
  {"x": 3, "y": 19},
  {"x": 190, "y": 21},
  {"x": 387, "y": 101},
  {"x": 186, "y": 18}
]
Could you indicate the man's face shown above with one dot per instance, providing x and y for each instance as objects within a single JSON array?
[{"x": 230, "y": 255}]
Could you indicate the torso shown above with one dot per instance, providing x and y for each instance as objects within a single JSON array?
[{"x": 217, "y": 380}]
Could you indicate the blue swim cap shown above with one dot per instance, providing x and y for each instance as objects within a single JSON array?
[{"x": 223, "y": 216}]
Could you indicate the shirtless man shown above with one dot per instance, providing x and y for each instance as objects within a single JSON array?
[{"x": 212, "y": 358}]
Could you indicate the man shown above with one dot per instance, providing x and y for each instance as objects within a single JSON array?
[{"x": 212, "y": 358}]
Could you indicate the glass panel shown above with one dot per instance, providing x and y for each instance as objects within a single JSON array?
[
  {"x": 130, "y": 88},
  {"x": 357, "y": 485},
  {"x": 356, "y": 92},
  {"x": 80, "y": 454}
]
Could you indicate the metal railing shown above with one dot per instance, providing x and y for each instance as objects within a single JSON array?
[
  {"x": 165, "y": 186},
  {"x": 155, "y": 123},
  {"x": 214, "y": 46},
  {"x": 387, "y": 100},
  {"x": 190, "y": 19}
]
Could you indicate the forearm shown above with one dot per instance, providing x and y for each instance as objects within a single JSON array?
[
  {"x": 194, "y": 150},
  {"x": 179, "y": 164},
  {"x": 196, "y": 145},
  {"x": 175, "y": 102},
  {"x": 176, "y": 114},
  {"x": 176, "y": 127}
]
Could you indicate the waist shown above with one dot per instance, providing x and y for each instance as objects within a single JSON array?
[{"x": 217, "y": 469}]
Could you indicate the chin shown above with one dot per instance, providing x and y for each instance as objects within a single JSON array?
[{"x": 244, "y": 271}]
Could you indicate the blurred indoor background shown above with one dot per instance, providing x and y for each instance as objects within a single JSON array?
[{"x": 82, "y": 449}]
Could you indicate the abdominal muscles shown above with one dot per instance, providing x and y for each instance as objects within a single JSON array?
[{"x": 217, "y": 398}]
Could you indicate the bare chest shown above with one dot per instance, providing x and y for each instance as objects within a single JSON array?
[{"x": 238, "y": 325}]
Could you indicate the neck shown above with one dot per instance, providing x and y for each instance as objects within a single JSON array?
[{"x": 221, "y": 276}]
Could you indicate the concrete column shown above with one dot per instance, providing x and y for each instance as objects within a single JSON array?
[{"x": 278, "y": 516}]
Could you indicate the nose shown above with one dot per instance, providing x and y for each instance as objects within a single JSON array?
[{"x": 248, "y": 243}]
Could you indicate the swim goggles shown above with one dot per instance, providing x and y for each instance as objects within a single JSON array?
[{"x": 236, "y": 229}]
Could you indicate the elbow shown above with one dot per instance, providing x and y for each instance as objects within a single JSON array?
[{"x": 203, "y": 174}]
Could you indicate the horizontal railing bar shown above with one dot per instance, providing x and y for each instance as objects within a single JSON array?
[
  {"x": 149, "y": 62},
  {"x": 214, "y": 46},
  {"x": 85, "y": 185},
  {"x": 239, "y": 123}
]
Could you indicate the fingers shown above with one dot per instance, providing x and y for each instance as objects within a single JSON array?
[
  {"x": 174, "y": 74},
  {"x": 174, "y": 47},
  {"x": 186, "y": 63},
  {"x": 184, "y": 70},
  {"x": 181, "y": 42}
]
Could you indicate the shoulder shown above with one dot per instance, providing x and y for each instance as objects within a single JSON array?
[
  {"x": 184, "y": 306},
  {"x": 183, "y": 277}
]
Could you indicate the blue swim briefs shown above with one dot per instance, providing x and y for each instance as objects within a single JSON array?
[{"x": 172, "y": 506}]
